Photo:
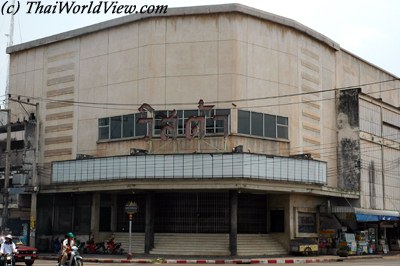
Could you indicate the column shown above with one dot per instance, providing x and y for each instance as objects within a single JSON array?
[
  {"x": 233, "y": 200},
  {"x": 149, "y": 228},
  {"x": 95, "y": 213},
  {"x": 114, "y": 215}
]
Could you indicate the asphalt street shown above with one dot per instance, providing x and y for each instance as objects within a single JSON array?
[{"x": 386, "y": 261}]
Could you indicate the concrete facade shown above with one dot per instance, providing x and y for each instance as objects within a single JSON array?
[{"x": 231, "y": 56}]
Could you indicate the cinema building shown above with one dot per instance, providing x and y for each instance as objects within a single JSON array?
[{"x": 227, "y": 125}]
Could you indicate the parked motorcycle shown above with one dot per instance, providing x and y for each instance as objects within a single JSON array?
[
  {"x": 100, "y": 248},
  {"x": 74, "y": 259},
  {"x": 113, "y": 248},
  {"x": 89, "y": 247}
]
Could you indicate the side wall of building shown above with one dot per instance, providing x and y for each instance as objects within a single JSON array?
[{"x": 377, "y": 131}]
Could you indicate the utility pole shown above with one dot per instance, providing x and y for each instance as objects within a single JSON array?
[
  {"x": 35, "y": 177},
  {"x": 6, "y": 175},
  {"x": 35, "y": 183}
]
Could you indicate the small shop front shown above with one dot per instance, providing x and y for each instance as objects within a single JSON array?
[{"x": 363, "y": 231}]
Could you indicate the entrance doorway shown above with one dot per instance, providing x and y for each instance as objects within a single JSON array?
[{"x": 199, "y": 212}]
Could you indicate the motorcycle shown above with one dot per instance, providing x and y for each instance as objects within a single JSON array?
[
  {"x": 89, "y": 247},
  {"x": 9, "y": 259},
  {"x": 114, "y": 248},
  {"x": 74, "y": 258},
  {"x": 100, "y": 248}
]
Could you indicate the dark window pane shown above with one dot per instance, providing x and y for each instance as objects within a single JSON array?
[
  {"x": 159, "y": 115},
  {"x": 282, "y": 120},
  {"x": 257, "y": 124},
  {"x": 210, "y": 129},
  {"x": 269, "y": 126},
  {"x": 189, "y": 113},
  {"x": 220, "y": 123},
  {"x": 223, "y": 111},
  {"x": 283, "y": 132},
  {"x": 128, "y": 126},
  {"x": 210, "y": 125},
  {"x": 307, "y": 222},
  {"x": 140, "y": 129},
  {"x": 103, "y": 132},
  {"x": 115, "y": 127},
  {"x": 179, "y": 114},
  {"x": 243, "y": 122},
  {"x": 17, "y": 144},
  {"x": 181, "y": 127},
  {"x": 103, "y": 121}
]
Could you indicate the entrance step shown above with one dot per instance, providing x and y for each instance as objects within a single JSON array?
[
  {"x": 137, "y": 242},
  {"x": 259, "y": 244},
  {"x": 191, "y": 244},
  {"x": 203, "y": 244}
]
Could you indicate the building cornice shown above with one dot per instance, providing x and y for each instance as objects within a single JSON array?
[
  {"x": 179, "y": 11},
  {"x": 242, "y": 185}
]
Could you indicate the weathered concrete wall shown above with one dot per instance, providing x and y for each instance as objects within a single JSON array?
[
  {"x": 380, "y": 151},
  {"x": 307, "y": 204},
  {"x": 348, "y": 140},
  {"x": 282, "y": 202},
  {"x": 182, "y": 145}
]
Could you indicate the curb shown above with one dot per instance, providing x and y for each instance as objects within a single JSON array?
[{"x": 224, "y": 261}]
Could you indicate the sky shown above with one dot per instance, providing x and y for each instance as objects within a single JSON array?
[{"x": 369, "y": 29}]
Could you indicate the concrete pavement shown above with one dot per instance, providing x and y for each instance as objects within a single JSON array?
[{"x": 141, "y": 258}]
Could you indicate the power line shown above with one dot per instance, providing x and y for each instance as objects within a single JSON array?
[
  {"x": 333, "y": 152},
  {"x": 89, "y": 104}
]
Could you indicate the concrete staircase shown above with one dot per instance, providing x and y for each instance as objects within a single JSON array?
[
  {"x": 258, "y": 244},
  {"x": 137, "y": 242},
  {"x": 191, "y": 244},
  {"x": 203, "y": 244}
]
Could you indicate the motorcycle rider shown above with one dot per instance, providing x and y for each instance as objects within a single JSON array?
[
  {"x": 66, "y": 247},
  {"x": 8, "y": 247}
]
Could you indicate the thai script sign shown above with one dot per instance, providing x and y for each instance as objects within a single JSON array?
[{"x": 194, "y": 125}]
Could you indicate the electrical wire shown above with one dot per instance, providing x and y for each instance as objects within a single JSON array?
[
  {"x": 103, "y": 104},
  {"x": 332, "y": 149}
]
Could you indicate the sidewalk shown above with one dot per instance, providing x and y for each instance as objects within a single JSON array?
[{"x": 141, "y": 258}]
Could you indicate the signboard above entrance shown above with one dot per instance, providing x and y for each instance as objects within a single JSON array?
[{"x": 194, "y": 125}]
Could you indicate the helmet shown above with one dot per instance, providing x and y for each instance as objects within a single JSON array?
[
  {"x": 70, "y": 234},
  {"x": 9, "y": 236}
]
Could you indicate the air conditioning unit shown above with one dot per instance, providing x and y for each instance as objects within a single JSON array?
[
  {"x": 83, "y": 156},
  {"x": 238, "y": 149},
  {"x": 136, "y": 152}
]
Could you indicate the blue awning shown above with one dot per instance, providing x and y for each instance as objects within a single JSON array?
[
  {"x": 389, "y": 218},
  {"x": 360, "y": 217},
  {"x": 368, "y": 215}
]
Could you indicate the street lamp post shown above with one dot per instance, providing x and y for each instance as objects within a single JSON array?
[{"x": 130, "y": 208}]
